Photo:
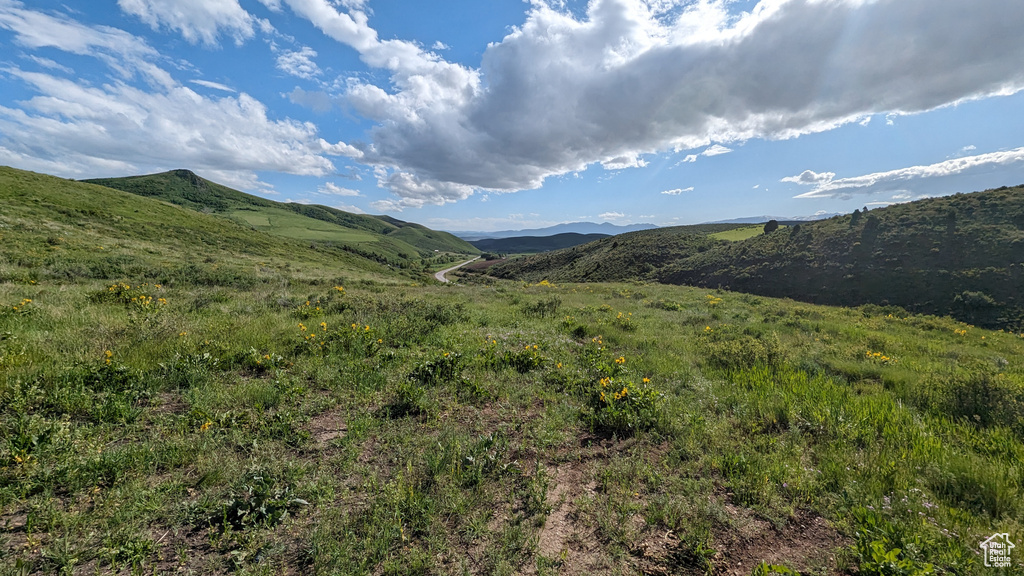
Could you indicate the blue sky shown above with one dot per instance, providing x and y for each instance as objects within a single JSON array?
[{"x": 469, "y": 115}]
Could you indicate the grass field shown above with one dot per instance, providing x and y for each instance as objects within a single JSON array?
[
  {"x": 170, "y": 407},
  {"x": 495, "y": 430},
  {"x": 292, "y": 225},
  {"x": 738, "y": 234}
]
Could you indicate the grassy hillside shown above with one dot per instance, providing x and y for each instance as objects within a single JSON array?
[
  {"x": 741, "y": 233},
  {"x": 961, "y": 255},
  {"x": 629, "y": 256},
  {"x": 186, "y": 400},
  {"x": 60, "y": 230},
  {"x": 531, "y": 244},
  {"x": 383, "y": 238}
]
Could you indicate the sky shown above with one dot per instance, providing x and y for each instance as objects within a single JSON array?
[{"x": 504, "y": 114}]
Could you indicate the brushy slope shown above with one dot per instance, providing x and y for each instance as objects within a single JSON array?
[
  {"x": 961, "y": 255},
  {"x": 630, "y": 256},
  {"x": 251, "y": 415},
  {"x": 387, "y": 239},
  {"x": 531, "y": 244}
]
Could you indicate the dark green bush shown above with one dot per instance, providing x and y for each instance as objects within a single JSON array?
[{"x": 737, "y": 353}]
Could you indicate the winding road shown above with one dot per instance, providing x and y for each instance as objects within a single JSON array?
[{"x": 440, "y": 275}]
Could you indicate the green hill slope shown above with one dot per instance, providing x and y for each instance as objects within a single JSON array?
[
  {"x": 381, "y": 238},
  {"x": 961, "y": 255},
  {"x": 532, "y": 244},
  {"x": 53, "y": 228},
  {"x": 629, "y": 256}
]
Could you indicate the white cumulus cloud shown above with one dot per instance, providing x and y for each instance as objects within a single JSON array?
[
  {"x": 716, "y": 150},
  {"x": 677, "y": 191},
  {"x": 125, "y": 54},
  {"x": 196, "y": 20},
  {"x": 299, "y": 63},
  {"x": 335, "y": 190},
  {"x": 631, "y": 77},
  {"x": 116, "y": 128},
  {"x": 611, "y": 216},
  {"x": 76, "y": 128},
  {"x": 903, "y": 180},
  {"x": 810, "y": 177}
]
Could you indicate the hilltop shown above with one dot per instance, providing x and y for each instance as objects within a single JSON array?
[
  {"x": 961, "y": 255},
  {"x": 382, "y": 238}
]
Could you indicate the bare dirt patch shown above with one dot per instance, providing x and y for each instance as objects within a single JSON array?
[
  {"x": 170, "y": 403},
  {"x": 808, "y": 543},
  {"x": 563, "y": 539},
  {"x": 327, "y": 426}
]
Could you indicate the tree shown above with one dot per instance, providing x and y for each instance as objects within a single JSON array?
[
  {"x": 855, "y": 217},
  {"x": 771, "y": 226}
]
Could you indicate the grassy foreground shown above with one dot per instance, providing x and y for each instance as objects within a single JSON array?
[
  {"x": 302, "y": 426},
  {"x": 182, "y": 395}
]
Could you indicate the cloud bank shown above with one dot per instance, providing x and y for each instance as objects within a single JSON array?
[
  {"x": 634, "y": 77},
  {"x": 74, "y": 128},
  {"x": 904, "y": 179},
  {"x": 196, "y": 20},
  {"x": 561, "y": 93}
]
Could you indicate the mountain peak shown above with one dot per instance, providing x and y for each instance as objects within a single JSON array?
[{"x": 189, "y": 176}]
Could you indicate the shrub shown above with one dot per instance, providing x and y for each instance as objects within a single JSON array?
[
  {"x": 443, "y": 368},
  {"x": 743, "y": 352},
  {"x": 884, "y": 550},
  {"x": 666, "y": 305},
  {"x": 624, "y": 320},
  {"x": 625, "y": 408},
  {"x": 543, "y": 308},
  {"x": 257, "y": 503},
  {"x": 187, "y": 370},
  {"x": 522, "y": 360},
  {"x": 984, "y": 399},
  {"x": 409, "y": 400},
  {"x": 356, "y": 339}
]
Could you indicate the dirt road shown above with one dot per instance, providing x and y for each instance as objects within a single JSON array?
[{"x": 440, "y": 275}]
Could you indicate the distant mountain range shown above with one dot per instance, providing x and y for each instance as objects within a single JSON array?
[
  {"x": 762, "y": 219},
  {"x": 609, "y": 229},
  {"x": 605, "y": 228}
]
